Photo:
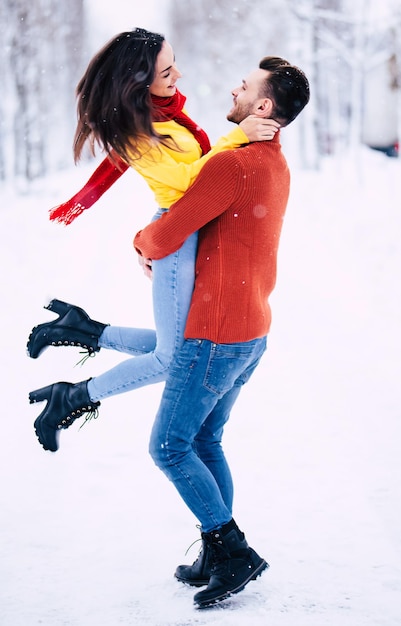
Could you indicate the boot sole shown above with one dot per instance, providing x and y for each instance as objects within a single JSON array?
[
  {"x": 43, "y": 439},
  {"x": 202, "y": 582},
  {"x": 193, "y": 583},
  {"x": 203, "y": 604}
]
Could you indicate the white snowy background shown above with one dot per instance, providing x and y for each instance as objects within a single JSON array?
[{"x": 91, "y": 535}]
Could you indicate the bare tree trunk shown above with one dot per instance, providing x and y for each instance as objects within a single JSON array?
[
  {"x": 42, "y": 64},
  {"x": 5, "y": 88},
  {"x": 304, "y": 48}
]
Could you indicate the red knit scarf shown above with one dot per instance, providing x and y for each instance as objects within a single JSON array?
[{"x": 108, "y": 172}]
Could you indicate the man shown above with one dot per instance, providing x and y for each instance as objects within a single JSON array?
[{"x": 237, "y": 203}]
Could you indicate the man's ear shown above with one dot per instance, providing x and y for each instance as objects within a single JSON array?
[{"x": 264, "y": 108}]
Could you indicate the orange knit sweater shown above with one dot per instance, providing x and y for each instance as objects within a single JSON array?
[{"x": 237, "y": 203}]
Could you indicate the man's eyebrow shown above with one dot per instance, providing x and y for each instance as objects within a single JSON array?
[{"x": 244, "y": 83}]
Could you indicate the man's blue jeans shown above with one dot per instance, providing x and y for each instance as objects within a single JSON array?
[{"x": 201, "y": 388}]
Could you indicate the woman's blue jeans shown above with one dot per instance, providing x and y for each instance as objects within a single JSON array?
[
  {"x": 202, "y": 386},
  {"x": 152, "y": 351}
]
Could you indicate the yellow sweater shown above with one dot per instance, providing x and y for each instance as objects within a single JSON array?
[{"x": 170, "y": 172}]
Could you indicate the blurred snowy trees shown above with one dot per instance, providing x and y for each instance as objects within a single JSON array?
[
  {"x": 41, "y": 62},
  {"x": 354, "y": 55},
  {"x": 342, "y": 45},
  {"x": 349, "y": 49},
  {"x": 217, "y": 43}
]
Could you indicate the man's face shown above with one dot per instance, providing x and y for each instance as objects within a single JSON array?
[{"x": 247, "y": 96}]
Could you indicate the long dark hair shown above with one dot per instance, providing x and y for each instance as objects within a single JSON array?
[{"x": 114, "y": 104}]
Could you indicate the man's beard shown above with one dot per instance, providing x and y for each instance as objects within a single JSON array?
[{"x": 238, "y": 113}]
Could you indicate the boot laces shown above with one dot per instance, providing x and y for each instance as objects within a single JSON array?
[
  {"x": 194, "y": 542},
  {"x": 87, "y": 354},
  {"x": 91, "y": 411},
  {"x": 219, "y": 550},
  {"x": 92, "y": 414}
]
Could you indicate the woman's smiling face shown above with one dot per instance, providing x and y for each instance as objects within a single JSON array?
[{"x": 166, "y": 73}]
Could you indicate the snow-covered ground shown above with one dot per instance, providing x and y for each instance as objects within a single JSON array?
[{"x": 91, "y": 535}]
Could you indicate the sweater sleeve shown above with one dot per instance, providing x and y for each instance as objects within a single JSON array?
[
  {"x": 159, "y": 166},
  {"x": 211, "y": 194}
]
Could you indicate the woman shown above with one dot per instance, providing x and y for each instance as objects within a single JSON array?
[{"x": 128, "y": 103}]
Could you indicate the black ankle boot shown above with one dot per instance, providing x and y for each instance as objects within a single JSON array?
[
  {"x": 73, "y": 327},
  {"x": 65, "y": 403},
  {"x": 197, "y": 574},
  {"x": 234, "y": 564}
]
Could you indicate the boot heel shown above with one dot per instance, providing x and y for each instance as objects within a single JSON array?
[
  {"x": 39, "y": 395},
  {"x": 58, "y": 306},
  {"x": 73, "y": 327}
]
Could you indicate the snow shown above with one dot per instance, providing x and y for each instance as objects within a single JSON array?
[{"x": 91, "y": 535}]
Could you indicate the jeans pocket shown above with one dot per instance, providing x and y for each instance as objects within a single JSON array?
[{"x": 227, "y": 363}]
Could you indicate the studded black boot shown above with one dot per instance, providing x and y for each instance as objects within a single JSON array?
[
  {"x": 197, "y": 574},
  {"x": 65, "y": 403},
  {"x": 234, "y": 565},
  {"x": 73, "y": 327}
]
